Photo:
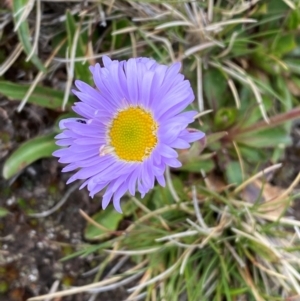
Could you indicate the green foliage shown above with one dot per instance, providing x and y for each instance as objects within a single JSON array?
[
  {"x": 284, "y": 44},
  {"x": 42, "y": 96},
  {"x": 215, "y": 88},
  {"x": 77, "y": 44},
  {"x": 265, "y": 138},
  {"x": 27, "y": 153},
  {"x": 233, "y": 173},
  {"x": 24, "y": 32},
  {"x": 197, "y": 165}
]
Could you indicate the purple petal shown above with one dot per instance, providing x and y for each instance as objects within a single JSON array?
[
  {"x": 172, "y": 162},
  {"x": 106, "y": 61},
  {"x": 193, "y": 136},
  {"x": 132, "y": 83},
  {"x": 167, "y": 151},
  {"x": 161, "y": 180},
  {"x": 180, "y": 144}
]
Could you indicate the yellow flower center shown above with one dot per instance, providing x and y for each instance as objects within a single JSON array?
[{"x": 133, "y": 134}]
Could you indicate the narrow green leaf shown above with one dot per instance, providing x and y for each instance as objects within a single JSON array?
[
  {"x": 293, "y": 20},
  {"x": 233, "y": 172},
  {"x": 120, "y": 40},
  {"x": 215, "y": 88},
  {"x": 42, "y": 96},
  {"x": 282, "y": 87},
  {"x": 253, "y": 155},
  {"x": 81, "y": 70},
  {"x": 265, "y": 138},
  {"x": 197, "y": 165},
  {"x": 27, "y": 153},
  {"x": 251, "y": 115},
  {"x": 86, "y": 250},
  {"x": 24, "y": 34}
]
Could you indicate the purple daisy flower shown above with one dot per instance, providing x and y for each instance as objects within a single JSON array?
[{"x": 129, "y": 128}]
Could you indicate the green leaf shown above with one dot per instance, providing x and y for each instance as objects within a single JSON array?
[
  {"x": 81, "y": 70},
  {"x": 86, "y": 250},
  {"x": 233, "y": 172},
  {"x": 120, "y": 40},
  {"x": 253, "y": 155},
  {"x": 42, "y": 96},
  {"x": 251, "y": 114},
  {"x": 284, "y": 44},
  {"x": 108, "y": 218},
  {"x": 59, "y": 41},
  {"x": 275, "y": 6},
  {"x": 27, "y": 153},
  {"x": 281, "y": 84},
  {"x": 3, "y": 212},
  {"x": 265, "y": 138},
  {"x": 24, "y": 34},
  {"x": 293, "y": 20},
  {"x": 215, "y": 87},
  {"x": 196, "y": 166},
  {"x": 265, "y": 84}
]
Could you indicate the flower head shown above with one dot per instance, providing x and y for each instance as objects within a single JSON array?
[{"x": 131, "y": 123}]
